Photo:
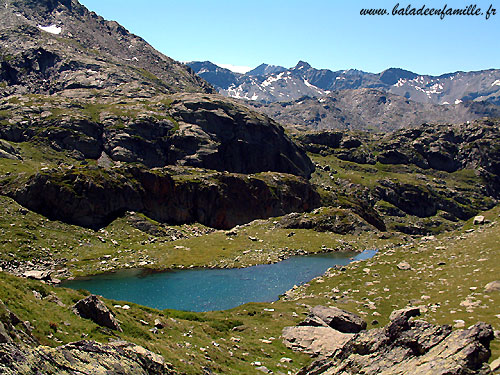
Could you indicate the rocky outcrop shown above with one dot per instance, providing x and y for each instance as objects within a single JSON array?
[
  {"x": 185, "y": 129},
  {"x": 94, "y": 309},
  {"x": 472, "y": 145},
  {"x": 218, "y": 134},
  {"x": 7, "y": 151},
  {"x": 13, "y": 330},
  {"x": 93, "y": 197},
  {"x": 408, "y": 346},
  {"x": 87, "y": 357},
  {"x": 326, "y": 219}
]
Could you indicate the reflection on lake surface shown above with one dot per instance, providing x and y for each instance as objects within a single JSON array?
[{"x": 213, "y": 289}]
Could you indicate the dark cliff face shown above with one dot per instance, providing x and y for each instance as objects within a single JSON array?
[
  {"x": 93, "y": 197},
  {"x": 59, "y": 46},
  {"x": 230, "y": 137}
]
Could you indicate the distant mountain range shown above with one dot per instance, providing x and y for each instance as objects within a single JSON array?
[
  {"x": 270, "y": 83},
  {"x": 370, "y": 110}
]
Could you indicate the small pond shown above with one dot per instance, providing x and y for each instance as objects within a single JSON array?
[{"x": 212, "y": 289}]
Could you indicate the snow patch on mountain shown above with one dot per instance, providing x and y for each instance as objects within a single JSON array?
[{"x": 53, "y": 29}]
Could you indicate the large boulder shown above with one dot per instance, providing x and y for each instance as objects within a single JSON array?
[
  {"x": 333, "y": 317},
  {"x": 94, "y": 309},
  {"x": 315, "y": 341}
]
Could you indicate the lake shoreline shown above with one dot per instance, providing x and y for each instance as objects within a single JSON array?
[{"x": 281, "y": 257}]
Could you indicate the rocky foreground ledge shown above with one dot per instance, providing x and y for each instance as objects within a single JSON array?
[{"x": 404, "y": 346}]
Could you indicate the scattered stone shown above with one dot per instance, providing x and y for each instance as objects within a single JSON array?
[
  {"x": 263, "y": 369},
  {"x": 158, "y": 324},
  {"x": 143, "y": 322},
  {"x": 495, "y": 365},
  {"x": 494, "y": 286},
  {"x": 459, "y": 323},
  {"x": 428, "y": 238},
  {"x": 37, "y": 275},
  {"x": 478, "y": 220},
  {"x": 94, "y": 309},
  {"x": 37, "y": 294},
  {"x": 286, "y": 360},
  {"x": 125, "y": 307},
  {"x": 404, "y": 266},
  {"x": 232, "y": 232}
]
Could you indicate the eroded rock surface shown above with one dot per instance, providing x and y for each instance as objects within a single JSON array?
[
  {"x": 402, "y": 347},
  {"x": 82, "y": 357}
]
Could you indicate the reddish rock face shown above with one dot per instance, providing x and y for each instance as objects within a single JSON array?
[{"x": 93, "y": 197}]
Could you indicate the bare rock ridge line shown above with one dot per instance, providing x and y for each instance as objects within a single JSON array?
[
  {"x": 371, "y": 110},
  {"x": 311, "y": 98},
  {"x": 342, "y": 345}
]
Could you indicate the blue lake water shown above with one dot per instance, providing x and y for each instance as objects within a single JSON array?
[{"x": 212, "y": 289}]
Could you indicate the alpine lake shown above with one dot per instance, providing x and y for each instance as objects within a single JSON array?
[{"x": 213, "y": 289}]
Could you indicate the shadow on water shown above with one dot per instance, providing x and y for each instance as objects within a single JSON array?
[{"x": 212, "y": 289}]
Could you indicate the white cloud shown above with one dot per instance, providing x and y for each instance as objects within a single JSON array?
[{"x": 235, "y": 68}]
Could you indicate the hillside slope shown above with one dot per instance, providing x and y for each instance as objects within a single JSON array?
[{"x": 49, "y": 46}]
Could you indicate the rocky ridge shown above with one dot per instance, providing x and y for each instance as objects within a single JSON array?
[
  {"x": 116, "y": 358},
  {"x": 402, "y": 346},
  {"x": 59, "y": 46},
  {"x": 187, "y": 129}
]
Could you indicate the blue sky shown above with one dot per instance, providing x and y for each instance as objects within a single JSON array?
[{"x": 326, "y": 33}]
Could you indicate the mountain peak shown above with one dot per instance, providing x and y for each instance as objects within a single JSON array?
[
  {"x": 265, "y": 69},
  {"x": 302, "y": 65},
  {"x": 392, "y": 75}
]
